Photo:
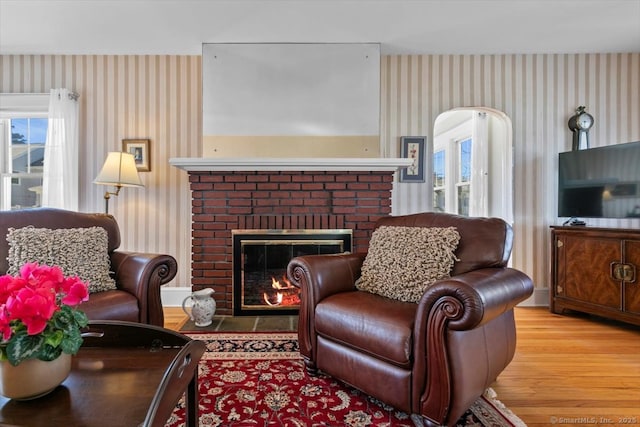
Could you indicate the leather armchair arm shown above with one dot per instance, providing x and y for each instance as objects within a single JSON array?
[
  {"x": 142, "y": 274},
  {"x": 319, "y": 276},
  {"x": 478, "y": 296},
  {"x": 459, "y": 303},
  {"x": 324, "y": 275}
]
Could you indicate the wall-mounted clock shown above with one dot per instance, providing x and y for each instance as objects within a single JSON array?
[{"x": 579, "y": 124}]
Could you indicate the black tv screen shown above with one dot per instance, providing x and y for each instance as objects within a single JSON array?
[{"x": 602, "y": 182}]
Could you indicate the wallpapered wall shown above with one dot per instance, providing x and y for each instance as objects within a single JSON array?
[{"x": 159, "y": 97}]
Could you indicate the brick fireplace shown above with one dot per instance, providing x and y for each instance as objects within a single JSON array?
[{"x": 233, "y": 194}]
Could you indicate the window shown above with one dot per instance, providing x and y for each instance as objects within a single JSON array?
[
  {"x": 463, "y": 173},
  {"x": 472, "y": 163},
  {"x": 23, "y": 133},
  {"x": 454, "y": 163},
  {"x": 23, "y": 144},
  {"x": 452, "y": 177}
]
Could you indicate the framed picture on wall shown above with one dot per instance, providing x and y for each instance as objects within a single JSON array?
[
  {"x": 413, "y": 147},
  {"x": 140, "y": 150}
]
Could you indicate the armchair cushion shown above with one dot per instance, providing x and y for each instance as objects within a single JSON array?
[
  {"x": 78, "y": 252},
  {"x": 402, "y": 262}
]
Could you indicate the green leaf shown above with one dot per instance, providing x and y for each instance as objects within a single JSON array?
[
  {"x": 72, "y": 342},
  {"x": 54, "y": 339},
  {"x": 49, "y": 353},
  {"x": 23, "y": 347},
  {"x": 81, "y": 318}
]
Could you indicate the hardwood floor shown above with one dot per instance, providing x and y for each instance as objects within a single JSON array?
[
  {"x": 568, "y": 370},
  {"x": 174, "y": 318},
  {"x": 572, "y": 370}
]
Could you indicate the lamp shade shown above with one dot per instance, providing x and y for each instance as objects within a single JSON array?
[{"x": 119, "y": 169}]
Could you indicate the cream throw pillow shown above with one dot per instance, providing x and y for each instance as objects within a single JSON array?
[
  {"x": 403, "y": 261},
  {"x": 78, "y": 252}
]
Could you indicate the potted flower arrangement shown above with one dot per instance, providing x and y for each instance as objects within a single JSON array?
[{"x": 40, "y": 327}]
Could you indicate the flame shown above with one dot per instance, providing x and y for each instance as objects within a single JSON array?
[
  {"x": 275, "y": 284},
  {"x": 279, "y": 297}
]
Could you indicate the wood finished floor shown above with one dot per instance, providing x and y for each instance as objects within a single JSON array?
[{"x": 568, "y": 370}]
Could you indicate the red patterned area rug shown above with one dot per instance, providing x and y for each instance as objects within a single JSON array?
[{"x": 258, "y": 379}]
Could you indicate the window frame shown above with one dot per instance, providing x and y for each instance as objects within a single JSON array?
[{"x": 16, "y": 106}]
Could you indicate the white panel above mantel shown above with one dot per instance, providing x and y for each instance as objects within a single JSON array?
[{"x": 202, "y": 164}]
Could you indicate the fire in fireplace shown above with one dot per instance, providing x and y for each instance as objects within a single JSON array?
[{"x": 260, "y": 259}]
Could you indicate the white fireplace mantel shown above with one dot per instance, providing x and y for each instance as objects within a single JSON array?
[{"x": 202, "y": 164}]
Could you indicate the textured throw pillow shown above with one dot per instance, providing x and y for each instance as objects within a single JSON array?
[
  {"x": 77, "y": 251},
  {"x": 403, "y": 261}
]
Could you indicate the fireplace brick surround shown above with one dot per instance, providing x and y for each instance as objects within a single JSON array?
[
  {"x": 227, "y": 200},
  {"x": 278, "y": 193}
]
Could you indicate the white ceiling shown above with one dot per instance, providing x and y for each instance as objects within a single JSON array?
[{"x": 401, "y": 26}]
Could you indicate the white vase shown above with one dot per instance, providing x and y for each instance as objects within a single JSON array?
[
  {"x": 33, "y": 378},
  {"x": 203, "y": 307}
]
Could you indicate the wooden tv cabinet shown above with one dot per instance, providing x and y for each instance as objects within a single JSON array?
[{"x": 595, "y": 271}]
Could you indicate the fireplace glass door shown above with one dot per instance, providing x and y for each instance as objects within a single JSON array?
[{"x": 260, "y": 259}]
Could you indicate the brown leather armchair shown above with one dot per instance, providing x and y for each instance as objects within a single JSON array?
[
  {"x": 138, "y": 276},
  {"x": 433, "y": 358}
]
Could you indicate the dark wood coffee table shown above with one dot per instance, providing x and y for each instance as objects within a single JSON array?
[{"x": 114, "y": 381}]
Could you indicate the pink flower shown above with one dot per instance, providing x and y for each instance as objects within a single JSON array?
[
  {"x": 40, "y": 299},
  {"x": 34, "y": 296},
  {"x": 76, "y": 291},
  {"x": 33, "y": 307},
  {"x": 5, "y": 326}
]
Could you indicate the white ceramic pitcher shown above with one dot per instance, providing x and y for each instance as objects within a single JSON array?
[{"x": 203, "y": 307}]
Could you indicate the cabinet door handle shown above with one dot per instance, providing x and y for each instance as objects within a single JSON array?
[
  {"x": 629, "y": 273},
  {"x": 617, "y": 271},
  {"x": 623, "y": 272}
]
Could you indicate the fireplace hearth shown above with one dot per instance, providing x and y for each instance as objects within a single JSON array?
[{"x": 260, "y": 259}]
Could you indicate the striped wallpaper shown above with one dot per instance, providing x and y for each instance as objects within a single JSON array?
[
  {"x": 159, "y": 97},
  {"x": 539, "y": 93},
  {"x": 122, "y": 97}
]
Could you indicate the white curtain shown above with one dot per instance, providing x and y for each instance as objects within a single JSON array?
[
  {"x": 60, "y": 172},
  {"x": 479, "y": 191}
]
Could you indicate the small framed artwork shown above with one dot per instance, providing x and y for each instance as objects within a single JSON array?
[
  {"x": 140, "y": 150},
  {"x": 413, "y": 147}
]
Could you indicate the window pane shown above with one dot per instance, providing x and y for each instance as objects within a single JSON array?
[
  {"x": 29, "y": 130},
  {"x": 28, "y": 137},
  {"x": 439, "y": 201},
  {"x": 19, "y": 131},
  {"x": 25, "y": 192},
  {"x": 38, "y": 130},
  {"x": 465, "y": 160},
  {"x": 438, "y": 169},
  {"x": 27, "y": 158},
  {"x": 22, "y": 182},
  {"x": 463, "y": 200}
]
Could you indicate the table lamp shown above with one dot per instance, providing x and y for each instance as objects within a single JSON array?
[{"x": 120, "y": 171}]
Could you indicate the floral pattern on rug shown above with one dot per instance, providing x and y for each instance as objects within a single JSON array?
[
  {"x": 258, "y": 379},
  {"x": 249, "y": 345},
  {"x": 280, "y": 393}
]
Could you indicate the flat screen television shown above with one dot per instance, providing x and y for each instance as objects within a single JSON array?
[{"x": 602, "y": 182}]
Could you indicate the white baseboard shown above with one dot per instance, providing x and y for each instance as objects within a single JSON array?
[
  {"x": 540, "y": 298},
  {"x": 173, "y": 296}
]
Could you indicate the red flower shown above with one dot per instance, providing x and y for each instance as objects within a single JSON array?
[
  {"x": 42, "y": 302},
  {"x": 76, "y": 291},
  {"x": 35, "y": 295},
  {"x": 5, "y": 323},
  {"x": 34, "y": 307}
]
